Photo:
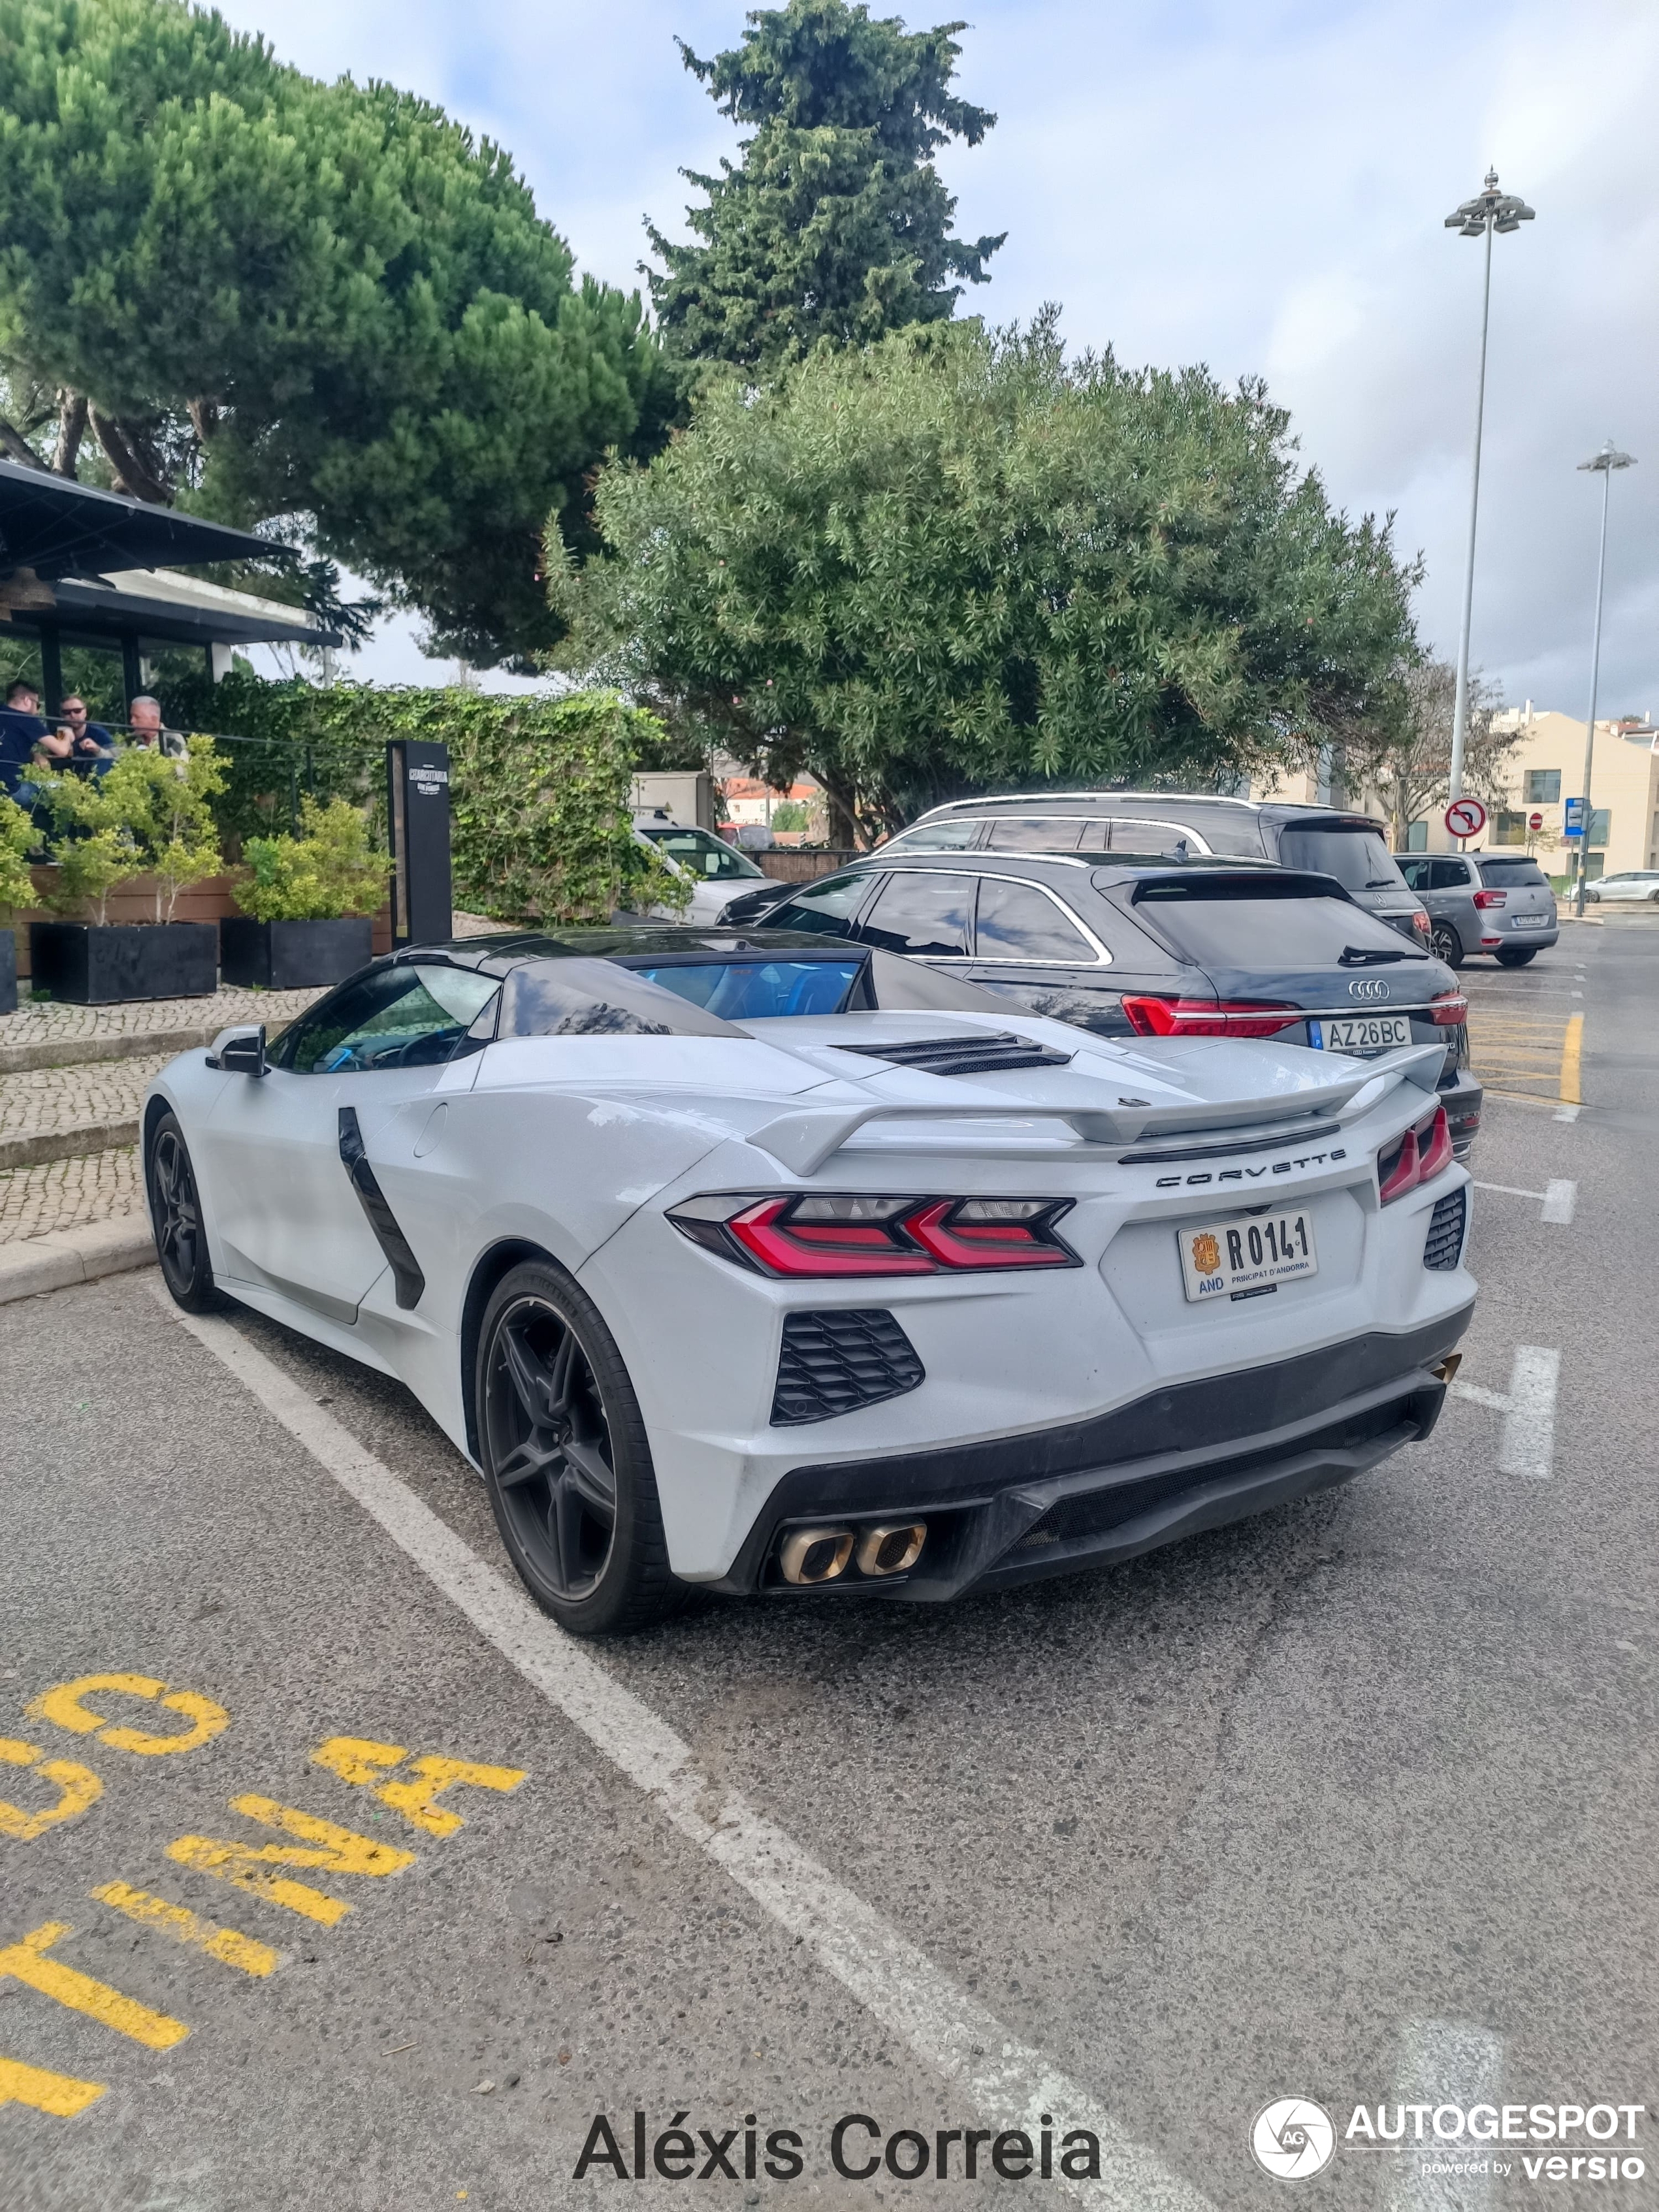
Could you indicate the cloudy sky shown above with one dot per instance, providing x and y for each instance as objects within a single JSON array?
[{"x": 1255, "y": 183}]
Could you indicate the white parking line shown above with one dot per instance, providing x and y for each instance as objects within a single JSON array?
[
  {"x": 948, "y": 2029},
  {"x": 1558, "y": 1197},
  {"x": 1567, "y": 1113},
  {"x": 1526, "y": 1445},
  {"x": 1443, "y": 2061}
]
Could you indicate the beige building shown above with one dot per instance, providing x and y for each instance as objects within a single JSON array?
[{"x": 1547, "y": 768}]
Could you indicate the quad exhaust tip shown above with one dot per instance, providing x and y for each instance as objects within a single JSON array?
[
  {"x": 1444, "y": 1369},
  {"x": 811, "y": 1556}
]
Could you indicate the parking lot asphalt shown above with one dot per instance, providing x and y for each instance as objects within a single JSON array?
[{"x": 1354, "y": 1801}]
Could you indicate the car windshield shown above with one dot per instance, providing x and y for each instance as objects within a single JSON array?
[
  {"x": 758, "y": 990},
  {"x": 1503, "y": 875},
  {"x": 1358, "y": 858},
  {"x": 702, "y": 854},
  {"x": 1267, "y": 924}
]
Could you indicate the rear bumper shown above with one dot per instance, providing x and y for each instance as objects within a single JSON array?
[
  {"x": 1191, "y": 1457},
  {"x": 1462, "y": 1098}
]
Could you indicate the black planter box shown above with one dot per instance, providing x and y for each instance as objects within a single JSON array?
[
  {"x": 8, "y": 972},
  {"x": 90, "y": 966},
  {"x": 292, "y": 956}
]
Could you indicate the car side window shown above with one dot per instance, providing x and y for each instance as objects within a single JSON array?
[
  {"x": 937, "y": 837},
  {"x": 398, "y": 1017},
  {"x": 1416, "y": 873},
  {"x": 1449, "y": 875},
  {"x": 922, "y": 913},
  {"x": 1034, "y": 833},
  {"x": 1019, "y": 922},
  {"x": 826, "y": 907},
  {"x": 702, "y": 854}
]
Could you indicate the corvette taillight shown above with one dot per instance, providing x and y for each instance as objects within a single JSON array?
[
  {"x": 841, "y": 1234},
  {"x": 1239, "y": 1017},
  {"x": 1450, "y": 1008},
  {"x": 1415, "y": 1158}
]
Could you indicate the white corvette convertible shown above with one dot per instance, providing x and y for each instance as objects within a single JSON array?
[{"x": 785, "y": 1266}]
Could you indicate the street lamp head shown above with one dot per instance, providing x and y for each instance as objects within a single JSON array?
[
  {"x": 1608, "y": 458},
  {"x": 1503, "y": 210}
]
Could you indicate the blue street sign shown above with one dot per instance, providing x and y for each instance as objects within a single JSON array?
[{"x": 1574, "y": 825}]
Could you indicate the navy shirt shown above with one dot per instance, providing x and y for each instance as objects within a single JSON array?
[{"x": 20, "y": 734}]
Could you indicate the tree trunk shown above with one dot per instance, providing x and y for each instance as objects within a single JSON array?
[
  {"x": 843, "y": 827},
  {"x": 137, "y": 471},
  {"x": 71, "y": 429},
  {"x": 203, "y": 417},
  {"x": 17, "y": 446}
]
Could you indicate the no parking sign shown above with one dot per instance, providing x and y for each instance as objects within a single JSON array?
[{"x": 1466, "y": 818}]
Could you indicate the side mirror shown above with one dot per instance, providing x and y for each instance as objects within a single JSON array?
[{"x": 240, "y": 1052}]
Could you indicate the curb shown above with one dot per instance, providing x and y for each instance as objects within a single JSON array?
[
  {"x": 34, "y": 1264},
  {"x": 83, "y": 1052},
  {"x": 74, "y": 1144}
]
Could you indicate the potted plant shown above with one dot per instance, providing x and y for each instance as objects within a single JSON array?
[
  {"x": 307, "y": 903},
  {"x": 150, "y": 815},
  {"x": 18, "y": 838}
]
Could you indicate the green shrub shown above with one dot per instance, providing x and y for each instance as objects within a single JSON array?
[
  {"x": 18, "y": 839},
  {"x": 150, "y": 815},
  {"x": 330, "y": 870}
]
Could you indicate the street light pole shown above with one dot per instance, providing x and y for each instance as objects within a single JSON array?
[
  {"x": 1605, "y": 463},
  {"x": 1488, "y": 211}
]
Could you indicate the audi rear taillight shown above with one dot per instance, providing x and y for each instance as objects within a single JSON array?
[
  {"x": 1449, "y": 1009},
  {"x": 1415, "y": 1158},
  {"x": 1238, "y": 1018},
  {"x": 842, "y": 1234},
  {"x": 1491, "y": 898}
]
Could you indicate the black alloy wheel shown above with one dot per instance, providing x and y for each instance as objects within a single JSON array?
[
  {"x": 566, "y": 1458},
  {"x": 1446, "y": 945},
  {"x": 1518, "y": 958},
  {"x": 175, "y": 1214}
]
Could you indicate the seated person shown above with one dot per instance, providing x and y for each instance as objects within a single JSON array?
[
  {"x": 21, "y": 730},
  {"x": 87, "y": 746},
  {"x": 144, "y": 728}
]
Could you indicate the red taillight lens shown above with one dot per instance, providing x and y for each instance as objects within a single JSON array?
[
  {"x": 1491, "y": 898},
  {"x": 1209, "y": 1017},
  {"x": 841, "y": 1234},
  {"x": 1450, "y": 1008},
  {"x": 988, "y": 1232},
  {"x": 1420, "y": 924},
  {"x": 1419, "y": 1156}
]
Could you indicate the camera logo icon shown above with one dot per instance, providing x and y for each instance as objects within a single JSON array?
[{"x": 1293, "y": 2138}]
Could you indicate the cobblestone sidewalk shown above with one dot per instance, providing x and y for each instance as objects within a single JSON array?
[
  {"x": 47, "y": 1101},
  {"x": 47, "y": 1022},
  {"x": 65, "y": 1193}
]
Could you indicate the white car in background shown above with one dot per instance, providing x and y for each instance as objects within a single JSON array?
[
  {"x": 782, "y": 1264},
  {"x": 717, "y": 872},
  {"x": 1637, "y": 885}
]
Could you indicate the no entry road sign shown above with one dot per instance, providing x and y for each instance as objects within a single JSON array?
[
  {"x": 1466, "y": 818},
  {"x": 1535, "y": 821}
]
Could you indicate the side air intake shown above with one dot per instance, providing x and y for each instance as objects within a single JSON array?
[
  {"x": 982, "y": 1054},
  {"x": 839, "y": 1358}
]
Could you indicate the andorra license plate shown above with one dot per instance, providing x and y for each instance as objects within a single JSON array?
[
  {"x": 1248, "y": 1257},
  {"x": 1361, "y": 1032}
]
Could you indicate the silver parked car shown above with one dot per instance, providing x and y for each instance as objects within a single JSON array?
[
  {"x": 1639, "y": 886},
  {"x": 1494, "y": 903}
]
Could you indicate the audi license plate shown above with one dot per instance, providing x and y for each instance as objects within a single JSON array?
[
  {"x": 1248, "y": 1257},
  {"x": 1361, "y": 1032}
]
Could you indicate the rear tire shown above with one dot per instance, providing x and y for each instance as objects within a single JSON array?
[
  {"x": 1517, "y": 959},
  {"x": 1446, "y": 945},
  {"x": 566, "y": 1458},
  {"x": 175, "y": 1219}
]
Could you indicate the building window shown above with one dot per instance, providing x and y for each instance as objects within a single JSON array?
[
  {"x": 1417, "y": 837},
  {"x": 1508, "y": 828},
  {"x": 1543, "y": 786},
  {"x": 1601, "y": 825}
]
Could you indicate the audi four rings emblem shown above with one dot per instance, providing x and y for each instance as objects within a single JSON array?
[{"x": 1369, "y": 986}]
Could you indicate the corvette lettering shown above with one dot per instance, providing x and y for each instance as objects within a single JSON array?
[{"x": 1241, "y": 1175}]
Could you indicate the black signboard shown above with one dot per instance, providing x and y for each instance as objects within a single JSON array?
[{"x": 417, "y": 803}]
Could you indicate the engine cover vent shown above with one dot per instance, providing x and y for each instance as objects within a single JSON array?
[
  {"x": 983, "y": 1055},
  {"x": 1445, "y": 1238},
  {"x": 839, "y": 1358}
]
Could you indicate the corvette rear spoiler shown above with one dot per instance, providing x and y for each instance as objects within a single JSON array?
[{"x": 804, "y": 1140}]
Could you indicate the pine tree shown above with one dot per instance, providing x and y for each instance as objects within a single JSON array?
[{"x": 836, "y": 224}]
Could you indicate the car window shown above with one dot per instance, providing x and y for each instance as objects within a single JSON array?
[
  {"x": 827, "y": 907},
  {"x": 1449, "y": 875},
  {"x": 925, "y": 914},
  {"x": 702, "y": 855},
  {"x": 936, "y": 837},
  {"x": 1358, "y": 859},
  {"x": 1416, "y": 873},
  {"x": 1265, "y": 925},
  {"x": 759, "y": 990},
  {"x": 1232, "y": 830},
  {"x": 1019, "y": 922},
  {"x": 399, "y": 1016},
  {"x": 1034, "y": 833},
  {"x": 1507, "y": 875}
]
